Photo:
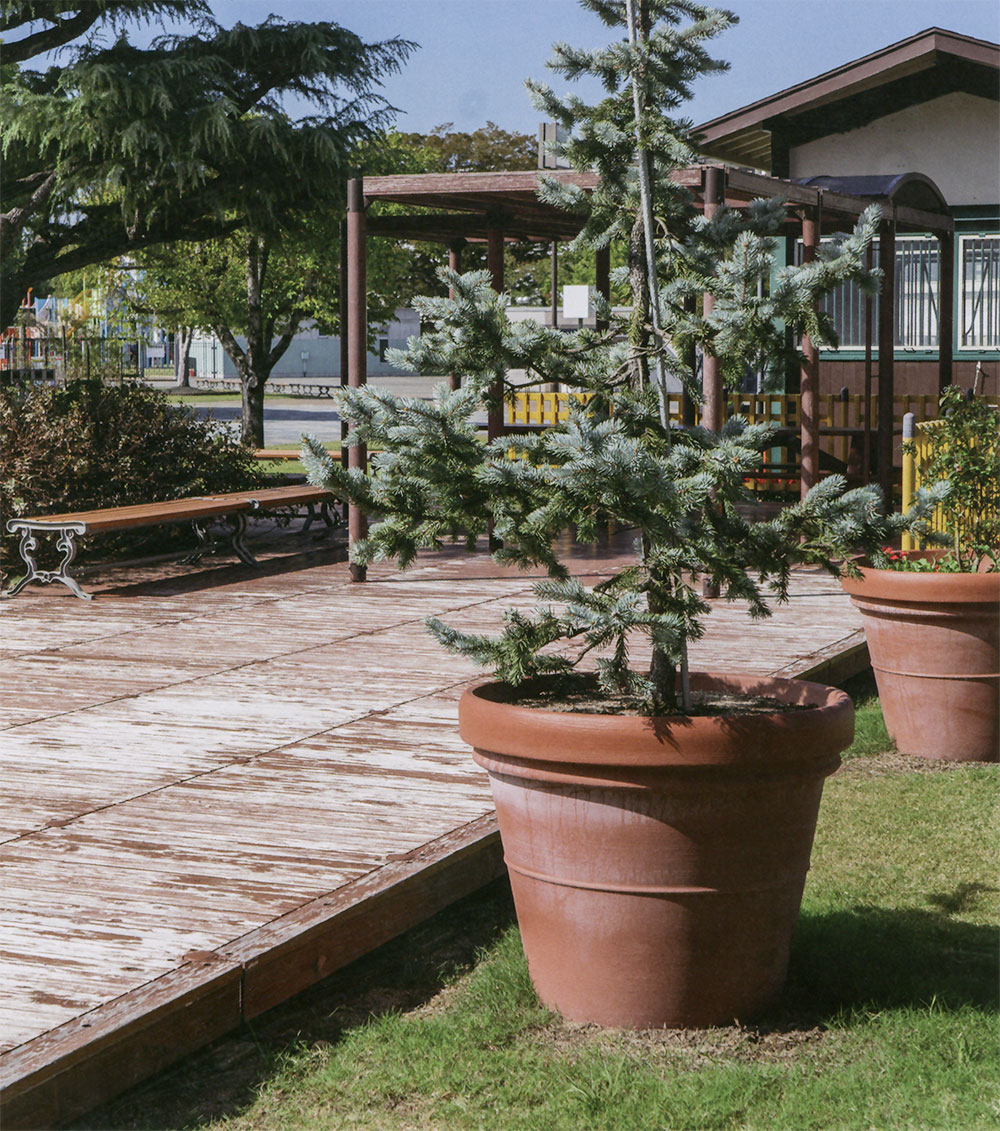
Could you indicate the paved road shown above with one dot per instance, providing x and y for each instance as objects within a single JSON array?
[{"x": 285, "y": 421}]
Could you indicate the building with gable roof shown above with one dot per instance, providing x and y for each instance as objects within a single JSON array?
[{"x": 927, "y": 105}]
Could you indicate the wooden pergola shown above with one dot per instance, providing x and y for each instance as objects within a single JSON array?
[{"x": 455, "y": 209}]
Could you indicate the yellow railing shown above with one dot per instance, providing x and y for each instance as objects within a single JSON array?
[{"x": 781, "y": 409}]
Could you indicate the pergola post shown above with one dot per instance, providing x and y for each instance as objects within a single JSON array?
[
  {"x": 886, "y": 351},
  {"x": 357, "y": 341},
  {"x": 812, "y": 220},
  {"x": 946, "y": 307},
  {"x": 866, "y": 465},
  {"x": 713, "y": 412},
  {"x": 343, "y": 335},
  {"x": 455, "y": 264},
  {"x": 690, "y": 359},
  {"x": 602, "y": 279},
  {"x": 494, "y": 263},
  {"x": 554, "y": 282}
]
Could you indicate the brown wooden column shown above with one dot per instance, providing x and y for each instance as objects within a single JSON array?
[
  {"x": 455, "y": 264},
  {"x": 554, "y": 283},
  {"x": 690, "y": 360},
  {"x": 809, "y": 369},
  {"x": 343, "y": 334},
  {"x": 946, "y": 308},
  {"x": 494, "y": 263},
  {"x": 357, "y": 339},
  {"x": 713, "y": 409},
  {"x": 602, "y": 279},
  {"x": 886, "y": 352}
]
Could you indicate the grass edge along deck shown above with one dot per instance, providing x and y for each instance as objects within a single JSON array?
[{"x": 60, "y": 1075}]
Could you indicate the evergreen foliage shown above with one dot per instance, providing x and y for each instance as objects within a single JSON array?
[
  {"x": 123, "y": 147},
  {"x": 966, "y": 453},
  {"x": 263, "y": 285},
  {"x": 615, "y": 462}
]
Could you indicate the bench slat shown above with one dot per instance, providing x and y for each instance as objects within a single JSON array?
[{"x": 181, "y": 510}]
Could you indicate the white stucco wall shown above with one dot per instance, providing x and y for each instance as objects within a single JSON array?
[{"x": 954, "y": 140}]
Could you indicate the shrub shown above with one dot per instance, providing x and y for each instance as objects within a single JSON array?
[{"x": 85, "y": 445}]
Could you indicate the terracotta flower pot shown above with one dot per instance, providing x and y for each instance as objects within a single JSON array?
[
  {"x": 658, "y": 864},
  {"x": 934, "y": 641}
]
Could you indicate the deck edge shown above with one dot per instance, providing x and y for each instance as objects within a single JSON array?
[{"x": 64, "y": 1073}]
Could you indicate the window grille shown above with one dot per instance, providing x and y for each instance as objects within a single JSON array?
[
  {"x": 980, "y": 293},
  {"x": 917, "y": 283}
]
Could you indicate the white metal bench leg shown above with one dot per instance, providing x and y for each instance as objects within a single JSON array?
[{"x": 65, "y": 543}]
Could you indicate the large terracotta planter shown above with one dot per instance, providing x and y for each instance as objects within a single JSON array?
[
  {"x": 657, "y": 864},
  {"x": 934, "y": 641}
]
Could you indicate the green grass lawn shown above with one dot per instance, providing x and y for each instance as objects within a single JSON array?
[{"x": 888, "y": 1020}]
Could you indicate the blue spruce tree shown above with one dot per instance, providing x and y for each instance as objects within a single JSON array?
[{"x": 617, "y": 462}]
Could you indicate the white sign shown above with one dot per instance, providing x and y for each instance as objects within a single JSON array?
[{"x": 577, "y": 302}]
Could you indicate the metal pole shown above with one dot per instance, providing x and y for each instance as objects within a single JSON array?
[{"x": 357, "y": 342}]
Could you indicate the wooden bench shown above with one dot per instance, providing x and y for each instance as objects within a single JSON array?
[{"x": 198, "y": 510}]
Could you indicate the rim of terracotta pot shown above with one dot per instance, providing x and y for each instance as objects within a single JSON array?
[
  {"x": 903, "y": 585},
  {"x": 770, "y": 741}
]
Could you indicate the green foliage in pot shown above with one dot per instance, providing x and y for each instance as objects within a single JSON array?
[
  {"x": 617, "y": 462},
  {"x": 965, "y": 452}
]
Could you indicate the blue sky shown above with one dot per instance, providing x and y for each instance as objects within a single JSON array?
[{"x": 474, "y": 55}]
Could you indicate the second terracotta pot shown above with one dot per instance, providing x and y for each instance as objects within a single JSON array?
[
  {"x": 658, "y": 865},
  {"x": 934, "y": 641}
]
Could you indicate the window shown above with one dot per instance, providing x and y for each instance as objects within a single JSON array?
[
  {"x": 979, "y": 285},
  {"x": 383, "y": 345},
  {"x": 917, "y": 282}
]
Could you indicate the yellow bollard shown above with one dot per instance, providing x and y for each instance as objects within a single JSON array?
[{"x": 909, "y": 473}]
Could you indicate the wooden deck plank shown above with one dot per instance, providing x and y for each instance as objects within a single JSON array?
[{"x": 221, "y": 792}]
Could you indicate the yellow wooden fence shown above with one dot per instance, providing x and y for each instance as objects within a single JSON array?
[
  {"x": 781, "y": 409},
  {"x": 918, "y": 448}
]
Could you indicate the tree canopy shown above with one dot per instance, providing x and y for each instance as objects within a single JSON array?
[
  {"x": 477, "y": 151},
  {"x": 122, "y": 147},
  {"x": 618, "y": 461}
]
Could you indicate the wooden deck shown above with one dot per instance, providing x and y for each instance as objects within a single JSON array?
[{"x": 221, "y": 785}]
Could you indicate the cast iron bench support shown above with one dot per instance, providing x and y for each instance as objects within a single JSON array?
[{"x": 66, "y": 543}]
